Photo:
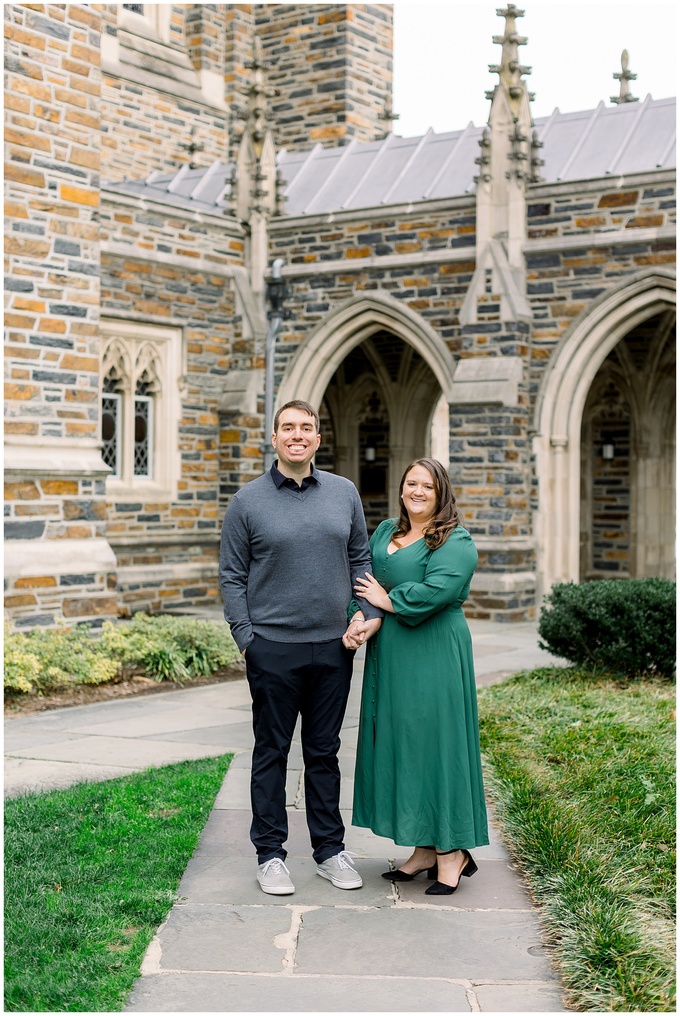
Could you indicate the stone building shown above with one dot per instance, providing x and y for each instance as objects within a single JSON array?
[{"x": 502, "y": 296}]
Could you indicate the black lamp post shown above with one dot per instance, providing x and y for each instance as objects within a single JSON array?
[{"x": 277, "y": 292}]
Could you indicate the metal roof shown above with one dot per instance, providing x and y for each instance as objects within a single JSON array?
[{"x": 627, "y": 138}]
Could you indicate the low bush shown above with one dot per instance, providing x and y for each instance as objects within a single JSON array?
[
  {"x": 166, "y": 648},
  {"x": 170, "y": 648},
  {"x": 46, "y": 660},
  {"x": 622, "y": 627}
]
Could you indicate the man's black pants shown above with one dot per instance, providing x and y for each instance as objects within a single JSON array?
[{"x": 287, "y": 679}]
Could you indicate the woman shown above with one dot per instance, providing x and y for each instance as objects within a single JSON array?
[{"x": 418, "y": 775}]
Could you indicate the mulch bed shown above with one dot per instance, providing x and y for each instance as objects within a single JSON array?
[{"x": 85, "y": 694}]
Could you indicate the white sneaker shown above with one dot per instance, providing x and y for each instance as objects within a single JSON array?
[
  {"x": 274, "y": 878},
  {"x": 338, "y": 870}
]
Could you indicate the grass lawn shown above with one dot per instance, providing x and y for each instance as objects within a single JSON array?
[
  {"x": 582, "y": 772},
  {"x": 90, "y": 874}
]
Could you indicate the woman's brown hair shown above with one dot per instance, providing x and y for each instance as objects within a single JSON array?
[{"x": 446, "y": 516}]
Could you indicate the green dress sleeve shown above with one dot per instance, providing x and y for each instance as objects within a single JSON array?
[
  {"x": 445, "y": 583},
  {"x": 390, "y": 524}
]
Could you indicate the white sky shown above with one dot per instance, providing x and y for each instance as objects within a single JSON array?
[{"x": 442, "y": 51}]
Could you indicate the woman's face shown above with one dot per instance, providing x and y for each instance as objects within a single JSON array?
[{"x": 419, "y": 494}]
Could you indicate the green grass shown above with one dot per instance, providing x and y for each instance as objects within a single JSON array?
[
  {"x": 582, "y": 771},
  {"x": 90, "y": 874}
]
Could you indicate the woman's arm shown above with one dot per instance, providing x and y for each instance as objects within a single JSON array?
[{"x": 447, "y": 574}]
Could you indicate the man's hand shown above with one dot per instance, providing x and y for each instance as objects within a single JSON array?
[{"x": 360, "y": 631}]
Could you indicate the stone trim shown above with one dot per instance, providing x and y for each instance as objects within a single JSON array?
[
  {"x": 228, "y": 225},
  {"x": 165, "y": 572},
  {"x": 615, "y": 238},
  {"x": 488, "y": 379},
  {"x": 26, "y": 455},
  {"x": 25, "y": 558},
  {"x": 426, "y": 206},
  {"x": 608, "y": 183},
  {"x": 156, "y": 539},
  {"x": 503, "y": 582},
  {"x": 381, "y": 261}
]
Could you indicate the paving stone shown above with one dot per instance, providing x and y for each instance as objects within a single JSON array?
[
  {"x": 18, "y": 739},
  {"x": 137, "y": 753},
  {"x": 496, "y": 886},
  {"x": 223, "y": 938},
  {"x": 169, "y": 721},
  {"x": 213, "y": 879},
  {"x": 26, "y": 776},
  {"x": 242, "y": 760},
  {"x": 235, "y": 790},
  {"x": 527, "y": 997},
  {"x": 281, "y": 993},
  {"x": 228, "y": 737},
  {"x": 434, "y": 942}
]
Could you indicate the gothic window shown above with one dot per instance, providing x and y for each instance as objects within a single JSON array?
[
  {"x": 111, "y": 423},
  {"x": 135, "y": 8},
  {"x": 141, "y": 377}
]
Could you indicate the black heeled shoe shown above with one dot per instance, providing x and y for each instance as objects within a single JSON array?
[
  {"x": 403, "y": 876},
  {"x": 468, "y": 869}
]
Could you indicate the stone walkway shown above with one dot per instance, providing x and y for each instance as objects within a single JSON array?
[{"x": 228, "y": 947}]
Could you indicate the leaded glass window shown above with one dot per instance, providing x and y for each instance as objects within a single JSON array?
[
  {"x": 111, "y": 420},
  {"x": 143, "y": 429}
]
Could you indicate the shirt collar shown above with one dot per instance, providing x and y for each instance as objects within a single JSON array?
[{"x": 279, "y": 479}]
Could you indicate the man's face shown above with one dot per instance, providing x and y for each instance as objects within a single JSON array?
[{"x": 296, "y": 439}]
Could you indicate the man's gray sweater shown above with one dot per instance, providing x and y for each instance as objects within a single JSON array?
[{"x": 289, "y": 559}]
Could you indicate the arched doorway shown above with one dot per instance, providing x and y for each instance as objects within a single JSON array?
[
  {"x": 628, "y": 457},
  {"x": 604, "y": 510},
  {"x": 378, "y": 374}
]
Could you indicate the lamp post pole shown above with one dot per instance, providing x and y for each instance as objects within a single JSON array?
[{"x": 277, "y": 291}]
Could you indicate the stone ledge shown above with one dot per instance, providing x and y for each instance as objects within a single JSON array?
[
  {"x": 503, "y": 582},
  {"x": 133, "y": 574},
  {"x": 24, "y": 558}
]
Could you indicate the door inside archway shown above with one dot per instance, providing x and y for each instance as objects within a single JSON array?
[
  {"x": 628, "y": 458},
  {"x": 378, "y": 413}
]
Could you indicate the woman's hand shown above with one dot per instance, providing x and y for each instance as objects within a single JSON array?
[{"x": 373, "y": 592}]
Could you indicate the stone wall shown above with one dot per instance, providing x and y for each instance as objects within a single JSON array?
[
  {"x": 57, "y": 560},
  {"x": 178, "y": 270},
  {"x": 331, "y": 65},
  {"x": 163, "y": 88}
]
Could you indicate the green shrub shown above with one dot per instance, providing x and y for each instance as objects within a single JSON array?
[
  {"x": 622, "y": 626},
  {"x": 170, "y": 648},
  {"x": 166, "y": 648},
  {"x": 44, "y": 660}
]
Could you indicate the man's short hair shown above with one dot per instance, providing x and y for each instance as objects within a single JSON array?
[{"x": 303, "y": 407}]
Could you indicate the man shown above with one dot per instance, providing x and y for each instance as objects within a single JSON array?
[{"x": 293, "y": 543}]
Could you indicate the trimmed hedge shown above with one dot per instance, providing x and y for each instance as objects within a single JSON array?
[{"x": 622, "y": 626}]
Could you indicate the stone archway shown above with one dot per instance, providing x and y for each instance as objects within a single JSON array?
[
  {"x": 323, "y": 350},
  {"x": 560, "y": 408},
  {"x": 373, "y": 349}
]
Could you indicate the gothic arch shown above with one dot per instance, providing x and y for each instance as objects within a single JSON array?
[
  {"x": 323, "y": 350},
  {"x": 559, "y": 412}
]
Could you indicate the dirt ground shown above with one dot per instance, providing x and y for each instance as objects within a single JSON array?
[{"x": 25, "y": 705}]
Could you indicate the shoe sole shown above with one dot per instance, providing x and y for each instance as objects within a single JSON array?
[
  {"x": 277, "y": 890},
  {"x": 340, "y": 885}
]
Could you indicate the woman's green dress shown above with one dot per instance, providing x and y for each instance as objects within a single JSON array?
[{"x": 418, "y": 777}]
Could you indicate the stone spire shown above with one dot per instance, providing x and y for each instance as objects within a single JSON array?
[
  {"x": 509, "y": 161},
  {"x": 623, "y": 77},
  {"x": 254, "y": 183},
  {"x": 510, "y": 70}
]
